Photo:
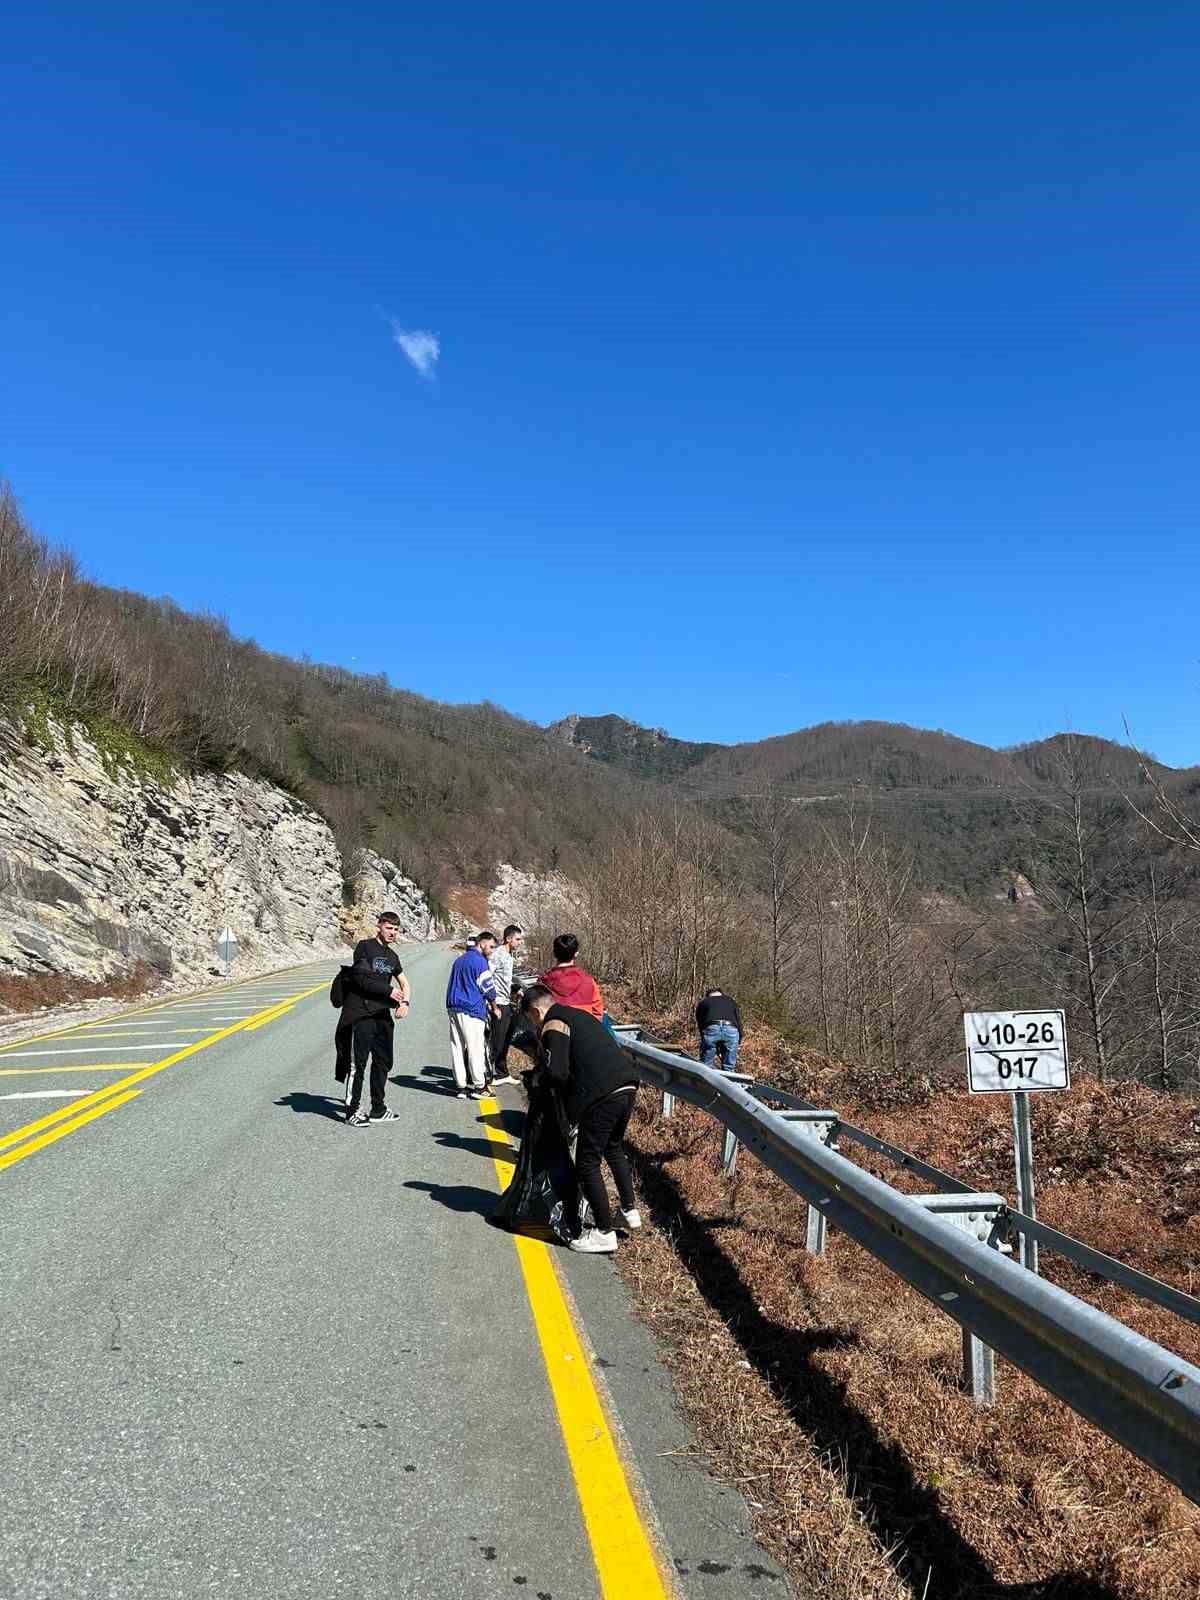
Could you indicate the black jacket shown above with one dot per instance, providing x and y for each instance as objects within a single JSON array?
[
  {"x": 367, "y": 985},
  {"x": 718, "y": 1008},
  {"x": 583, "y": 1060}
]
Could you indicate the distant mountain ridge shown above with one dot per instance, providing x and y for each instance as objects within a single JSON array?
[
  {"x": 882, "y": 755},
  {"x": 648, "y": 752}
]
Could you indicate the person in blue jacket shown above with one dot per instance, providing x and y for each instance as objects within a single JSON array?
[{"x": 470, "y": 994}]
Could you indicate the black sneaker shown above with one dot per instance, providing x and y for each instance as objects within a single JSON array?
[
  {"x": 357, "y": 1119},
  {"x": 386, "y": 1115}
]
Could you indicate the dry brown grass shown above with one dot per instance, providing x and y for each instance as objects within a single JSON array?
[
  {"x": 830, "y": 1392},
  {"x": 40, "y": 991}
]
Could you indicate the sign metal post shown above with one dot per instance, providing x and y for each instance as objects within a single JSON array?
[
  {"x": 1018, "y": 1053},
  {"x": 1026, "y": 1200},
  {"x": 227, "y": 947}
]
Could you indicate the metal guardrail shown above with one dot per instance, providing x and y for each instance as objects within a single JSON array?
[{"x": 953, "y": 1246}]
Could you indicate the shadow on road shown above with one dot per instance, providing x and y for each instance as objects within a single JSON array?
[
  {"x": 461, "y": 1197},
  {"x": 477, "y": 1147},
  {"x": 314, "y": 1105},
  {"x": 509, "y": 1119},
  {"x": 430, "y": 1080}
]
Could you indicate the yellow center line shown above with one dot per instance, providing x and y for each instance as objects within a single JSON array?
[
  {"x": 67, "y": 1127},
  {"x": 271, "y": 1016},
  {"x": 140, "y": 1076},
  {"x": 621, "y": 1547},
  {"x": 88, "y": 1066}
]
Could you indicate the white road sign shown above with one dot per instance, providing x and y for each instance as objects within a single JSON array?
[
  {"x": 1016, "y": 1052},
  {"x": 227, "y": 945}
]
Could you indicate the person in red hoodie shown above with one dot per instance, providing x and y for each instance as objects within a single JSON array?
[{"x": 568, "y": 982}]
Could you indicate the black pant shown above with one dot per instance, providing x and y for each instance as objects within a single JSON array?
[
  {"x": 501, "y": 1028},
  {"x": 372, "y": 1038},
  {"x": 601, "y": 1137}
]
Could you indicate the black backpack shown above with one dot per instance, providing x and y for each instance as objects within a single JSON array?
[{"x": 337, "y": 989}]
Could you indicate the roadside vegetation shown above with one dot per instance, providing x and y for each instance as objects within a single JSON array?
[{"x": 829, "y": 1393}]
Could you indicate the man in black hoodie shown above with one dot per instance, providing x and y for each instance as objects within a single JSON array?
[
  {"x": 597, "y": 1085},
  {"x": 376, "y": 992}
]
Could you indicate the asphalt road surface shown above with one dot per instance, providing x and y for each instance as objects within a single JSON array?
[{"x": 249, "y": 1351}]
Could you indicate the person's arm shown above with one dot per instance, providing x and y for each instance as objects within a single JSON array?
[
  {"x": 737, "y": 1017},
  {"x": 556, "y": 1048},
  {"x": 487, "y": 984}
]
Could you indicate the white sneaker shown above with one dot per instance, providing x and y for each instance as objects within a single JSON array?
[
  {"x": 591, "y": 1242},
  {"x": 631, "y": 1218}
]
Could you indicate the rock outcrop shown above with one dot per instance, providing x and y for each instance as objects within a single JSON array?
[
  {"x": 374, "y": 884},
  {"x": 103, "y": 867},
  {"x": 546, "y": 902}
]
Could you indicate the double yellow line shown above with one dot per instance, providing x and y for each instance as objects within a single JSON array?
[
  {"x": 37, "y": 1135},
  {"x": 626, "y": 1565}
]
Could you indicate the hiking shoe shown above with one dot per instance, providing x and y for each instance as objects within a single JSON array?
[
  {"x": 462, "y": 1095},
  {"x": 357, "y": 1119},
  {"x": 631, "y": 1218},
  {"x": 507, "y": 1078},
  {"x": 386, "y": 1115},
  {"x": 478, "y": 1094},
  {"x": 591, "y": 1242}
]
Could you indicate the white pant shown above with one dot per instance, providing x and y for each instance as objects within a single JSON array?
[{"x": 466, "y": 1048}]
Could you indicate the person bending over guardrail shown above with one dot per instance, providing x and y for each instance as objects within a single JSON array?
[
  {"x": 598, "y": 1086},
  {"x": 719, "y": 1024}
]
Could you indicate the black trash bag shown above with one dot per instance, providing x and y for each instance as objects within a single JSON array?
[
  {"x": 523, "y": 1036},
  {"x": 542, "y": 1198}
]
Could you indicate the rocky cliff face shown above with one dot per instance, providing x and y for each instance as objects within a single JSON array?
[
  {"x": 103, "y": 867},
  {"x": 374, "y": 885},
  {"x": 546, "y": 903}
]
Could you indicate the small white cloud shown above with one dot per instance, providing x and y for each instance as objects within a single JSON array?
[{"x": 419, "y": 345}]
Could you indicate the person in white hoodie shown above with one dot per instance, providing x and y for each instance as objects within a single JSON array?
[{"x": 502, "y": 964}]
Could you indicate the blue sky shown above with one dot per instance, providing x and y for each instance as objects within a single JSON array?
[{"x": 795, "y": 363}]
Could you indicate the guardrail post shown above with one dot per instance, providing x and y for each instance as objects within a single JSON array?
[
  {"x": 979, "y": 1369},
  {"x": 729, "y": 1150},
  {"x": 820, "y": 1125},
  {"x": 668, "y": 1104},
  {"x": 977, "y": 1215}
]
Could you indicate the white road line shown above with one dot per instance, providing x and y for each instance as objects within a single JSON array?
[
  {"x": 114, "y": 1050},
  {"x": 87, "y": 1066},
  {"x": 47, "y": 1094},
  {"x": 131, "y": 1027},
  {"x": 162, "y": 1033}
]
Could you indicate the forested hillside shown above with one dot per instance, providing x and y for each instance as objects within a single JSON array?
[
  {"x": 833, "y": 756},
  {"x": 445, "y": 791}
]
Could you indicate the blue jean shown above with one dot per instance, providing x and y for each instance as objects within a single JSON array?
[{"x": 722, "y": 1036}]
